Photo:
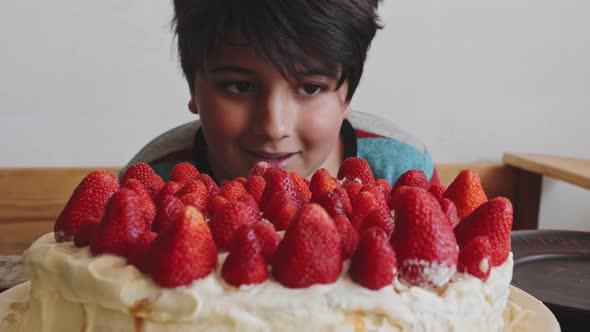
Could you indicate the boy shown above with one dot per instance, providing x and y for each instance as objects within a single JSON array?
[{"x": 272, "y": 80}]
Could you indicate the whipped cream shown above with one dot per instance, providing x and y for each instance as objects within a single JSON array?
[{"x": 74, "y": 291}]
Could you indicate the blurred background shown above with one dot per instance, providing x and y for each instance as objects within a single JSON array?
[{"x": 88, "y": 83}]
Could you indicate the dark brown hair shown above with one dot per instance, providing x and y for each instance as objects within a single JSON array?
[{"x": 286, "y": 32}]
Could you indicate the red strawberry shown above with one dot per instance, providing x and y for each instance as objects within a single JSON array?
[
  {"x": 268, "y": 236},
  {"x": 303, "y": 194},
  {"x": 310, "y": 252},
  {"x": 437, "y": 190},
  {"x": 145, "y": 174},
  {"x": 356, "y": 168},
  {"x": 280, "y": 211},
  {"x": 245, "y": 264},
  {"x": 255, "y": 186},
  {"x": 168, "y": 212},
  {"x": 182, "y": 253},
  {"x": 450, "y": 210},
  {"x": 259, "y": 169},
  {"x": 466, "y": 192},
  {"x": 321, "y": 181},
  {"x": 394, "y": 197},
  {"x": 362, "y": 204},
  {"x": 373, "y": 265},
  {"x": 385, "y": 186},
  {"x": 240, "y": 179},
  {"x": 196, "y": 199},
  {"x": 352, "y": 189},
  {"x": 215, "y": 203},
  {"x": 278, "y": 180},
  {"x": 149, "y": 208},
  {"x": 475, "y": 256},
  {"x": 169, "y": 188},
  {"x": 348, "y": 235},
  {"x": 195, "y": 186},
  {"x": 232, "y": 189},
  {"x": 251, "y": 203},
  {"x": 85, "y": 231},
  {"x": 494, "y": 220},
  {"x": 184, "y": 173},
  {"x": 88, "y": 200},
  {"x": 423, "y": 240},
  {"x": 331, "y": 201},
  {"x": 212, "y": 188},
  {"x": 379, "y": 217},
  {"x": 226, "y": 221},
  {"x": 376, "y": 190},
  {"x": 413, "y": 178},
  {"x": 138, "y": 252},
  {"x": 121, "y": 226},
  {"x": 345, "y": 199}
]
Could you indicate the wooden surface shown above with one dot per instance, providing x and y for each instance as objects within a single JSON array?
[
  {"x": 16, "y": 237},
  {"x": 32, "y": 198},
  {"x": 37, "y": 194},
  {"x": 572, "y": 170}
]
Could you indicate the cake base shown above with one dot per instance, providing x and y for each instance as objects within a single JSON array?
[
  {"x": 523, "y": 312},
  {"x": 73, "y": 291}
]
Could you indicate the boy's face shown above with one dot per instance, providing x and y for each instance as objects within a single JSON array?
[{"x": 250, "y": 113}]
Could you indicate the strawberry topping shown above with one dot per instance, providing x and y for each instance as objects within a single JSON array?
[
  {"x": 355, "y": 168},
  {"x": 373, "y": 264},
  {"x": 475, "y": 256},
  {"x": 184, "y": 173},
  {"x": 310, "y": 252},
  {"x": 245, "y": 264},
  {"x": 88, "y": 200},
  {"x": 182, "y": 253},
  {"x": 494, "y": 220},
  {"x": 423, "y": 240},
  {"x": 466, "y": 192}
]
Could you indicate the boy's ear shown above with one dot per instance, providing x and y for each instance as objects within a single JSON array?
[
  {"x": 347, "y": 110},
  {"x": 192, "y": 106}
]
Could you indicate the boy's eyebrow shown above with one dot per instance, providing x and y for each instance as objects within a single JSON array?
[
  {"x": 317, "y": 71},
  {"x": 231, "y": 69},
  {"x": 333, "y": 74}
]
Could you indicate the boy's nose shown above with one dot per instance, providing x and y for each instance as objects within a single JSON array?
[{"x": 274, "y": 116}]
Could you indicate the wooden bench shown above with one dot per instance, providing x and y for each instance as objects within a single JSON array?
[{"x": 32, "y": 198}]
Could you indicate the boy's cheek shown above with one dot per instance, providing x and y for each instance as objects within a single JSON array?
[
  {"x": 223, "y": 118},
  {"x": 320, "y": 135},
  {"x": 223, "y": 129},
  {"x": 323, "y": 121}
]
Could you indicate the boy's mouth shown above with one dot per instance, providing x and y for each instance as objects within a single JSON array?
[{"x": 275, "y": 159}]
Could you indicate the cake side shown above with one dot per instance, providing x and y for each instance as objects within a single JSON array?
[{"x": 104, "y": 293}]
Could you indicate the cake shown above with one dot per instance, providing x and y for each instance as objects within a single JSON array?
[{"x": 272, "y": 252}]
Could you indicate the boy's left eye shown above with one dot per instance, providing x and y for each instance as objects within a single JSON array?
[
  {"x": 310, "y": 89},
  {"x": 237, "y": 87}
]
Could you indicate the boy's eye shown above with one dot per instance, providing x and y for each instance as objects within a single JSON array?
[
  {"x": 238, "y": 87},
  {"x": 310, "y": 89}
]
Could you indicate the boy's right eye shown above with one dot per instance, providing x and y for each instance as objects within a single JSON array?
[{"x": 237, "y": 87}]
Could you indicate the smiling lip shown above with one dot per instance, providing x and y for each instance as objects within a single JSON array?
[{"x": 277, "y": 160}]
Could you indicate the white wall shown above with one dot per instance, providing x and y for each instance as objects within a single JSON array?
[{"x": 89, "y": 82}]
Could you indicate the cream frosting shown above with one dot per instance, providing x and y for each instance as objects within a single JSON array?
[{"x": 73, "y": 291}]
